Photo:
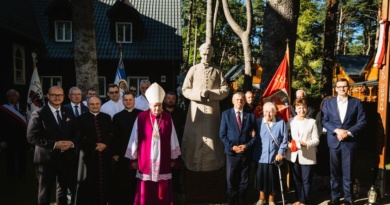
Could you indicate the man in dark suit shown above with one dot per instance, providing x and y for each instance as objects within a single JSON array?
[
  {"x": 75, "y": 97},
  {"x": 13, "y": 125},
  {"x": 236, "y": 135},
  {"x": 78, "y": 108},
  {"x": 51, "y": 130},
  {"x": 124, "y": 177},
  {"x": 344, "y": 119}
]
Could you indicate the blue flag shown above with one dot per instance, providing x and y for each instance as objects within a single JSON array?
[{"x": 120, "y": 72}]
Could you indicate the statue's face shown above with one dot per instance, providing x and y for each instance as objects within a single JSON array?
[{"x": 206, "y": 55}]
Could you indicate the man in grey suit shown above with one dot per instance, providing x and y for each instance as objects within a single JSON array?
[
  {"x": 51, "y": 130},
  {"x": 235, "y": 132},
  {"x": 344, "y": 119}
]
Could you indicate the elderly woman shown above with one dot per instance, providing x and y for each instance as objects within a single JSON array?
[
  {"x": 304, "y": 139},
  {"x": 270, "y": 148}
]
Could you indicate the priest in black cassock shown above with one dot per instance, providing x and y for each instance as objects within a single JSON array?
[
  {"x": 124, "y": 182},
  {"x": 96, "y": 142}
]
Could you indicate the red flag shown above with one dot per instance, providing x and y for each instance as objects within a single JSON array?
[
  {"x": 279, "y": 86},
  {"x": 380, "y": 53}
]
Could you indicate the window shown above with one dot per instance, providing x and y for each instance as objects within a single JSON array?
[
  {"x": 124, "y": 32},
  {"x": 102, "y": 86},
  {"x": 48, "y": 81},
  {"x": 19, "y": 64},
  {"x": 63, "y": 31},
  {"x": 134, "y": 81}
]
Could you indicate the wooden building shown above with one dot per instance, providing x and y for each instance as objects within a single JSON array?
[
  {"x": 149, "y": 31},
  {"x": 361, "y": 74}
]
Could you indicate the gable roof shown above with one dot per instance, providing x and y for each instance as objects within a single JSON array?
[
  {"x": 161, "y": 38},
  {"x": 353, "y": 65},
  {"x": 17, "y": 18}
]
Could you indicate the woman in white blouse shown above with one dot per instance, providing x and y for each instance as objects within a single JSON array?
[{"x": 304, "y": 139}]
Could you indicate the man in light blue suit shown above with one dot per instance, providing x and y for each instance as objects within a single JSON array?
[
  {"x": 344, "y": 119},
  {"x": 237, "y": 133}
]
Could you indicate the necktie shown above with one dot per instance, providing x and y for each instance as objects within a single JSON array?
[
  {"x": 76, "y": 111},
  {"x": 59, "y": 120},
  {"x": 238, "y": 116}
]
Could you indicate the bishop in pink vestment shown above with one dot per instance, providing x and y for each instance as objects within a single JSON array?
[{"x": 153, "y": 148}]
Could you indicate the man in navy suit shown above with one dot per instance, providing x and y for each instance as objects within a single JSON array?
[
  {"x": 51, "y": 130},
  {"x": 235, "y": 132},
  {"x": 344, "y": 119},
  {"x": 78, "y": 108},
  {"x": 75, "y": 97}
]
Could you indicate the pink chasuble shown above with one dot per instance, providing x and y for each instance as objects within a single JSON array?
[{"x": 154, "y": 154}]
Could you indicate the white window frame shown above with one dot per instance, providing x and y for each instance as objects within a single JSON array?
[
  {"x": 52, "y": 81},
  {"x": 102, "y": 86},
  {"x": 19, "y": 64},
  {"x": 135, "y": 80},
  {"x": 124, "y": 32},
  {"x": 61, "y": 28}
]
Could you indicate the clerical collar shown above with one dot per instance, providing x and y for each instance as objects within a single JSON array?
[
  {"x": 93, "y": 113},
  {"x": 130, "y": 110}
]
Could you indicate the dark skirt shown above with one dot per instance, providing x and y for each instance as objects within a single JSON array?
[{"x": 267, "y": 178}]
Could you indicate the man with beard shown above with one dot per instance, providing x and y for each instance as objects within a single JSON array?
[{"x": 179, "y": 119}]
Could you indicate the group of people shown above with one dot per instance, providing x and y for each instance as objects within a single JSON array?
[
  {"x": 126, "y": 154},
  {"x": 269, "y": 140},
  {"x": 133, "y": 149}
]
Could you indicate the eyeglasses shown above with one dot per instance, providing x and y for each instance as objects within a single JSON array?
[
  {"x": 133, "y": 90},
  {"x": 339, "y": 87},
  {"x": 56, "y": 95},
  {"x": 76, "y": 94},
  {"x": 114, "y": 92}
]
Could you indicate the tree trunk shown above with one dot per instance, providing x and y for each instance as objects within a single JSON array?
[
  {"x": 340, "y": 31},
  {"x": 85, "y": 45},
  {"x": 188, "y": 44},
  {"x": 280, "y": 25},
  {"x": 329, "y": 44},
  {"x": 209, "y": 21},
  {"x": 245, "y": 39},
  {"x": 215, "y": 17}
]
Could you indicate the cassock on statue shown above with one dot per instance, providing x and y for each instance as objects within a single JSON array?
[{"x": 152, "y": 149}]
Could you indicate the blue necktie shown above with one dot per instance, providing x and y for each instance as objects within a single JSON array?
[
  {"x": 59, "y": 120},
  {"x": 76, "y": 111}
]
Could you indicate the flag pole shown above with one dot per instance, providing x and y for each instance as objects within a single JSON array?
[
  {"x": 34, "y": 59},
  {"x": 288, "y": 71},
  {"x": 383, "y": 101}
]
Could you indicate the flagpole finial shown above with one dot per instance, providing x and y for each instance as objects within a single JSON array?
[
  {"x": 287, "y": 41},
  {"x": 34, "y": 58}
]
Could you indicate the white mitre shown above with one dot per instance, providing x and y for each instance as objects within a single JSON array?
[{"x": 155, "y": 93}]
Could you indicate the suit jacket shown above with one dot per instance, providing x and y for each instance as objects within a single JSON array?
[
  {"x": 231, "y": 135},
  {"x": 83, "y": 108},
  {"x": 306, "y": 155},
  {"x": 354, "y": 121},
  {"x": 43, "y": 131}
]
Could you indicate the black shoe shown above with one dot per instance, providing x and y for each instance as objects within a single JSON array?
[
  {"x": 349, "y": 203},
  {"x": 334, "y": 202}
]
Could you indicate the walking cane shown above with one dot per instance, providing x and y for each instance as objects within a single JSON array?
[
  {"x": 278, "y": 164},
  {"x": 81, "y": 173}
]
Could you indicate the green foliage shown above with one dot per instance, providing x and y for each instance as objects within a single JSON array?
[{"x": 308, "y": 51}]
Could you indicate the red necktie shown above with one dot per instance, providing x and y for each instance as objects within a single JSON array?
[{"x": 238, "y": 116}]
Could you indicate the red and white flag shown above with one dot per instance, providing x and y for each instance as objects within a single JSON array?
[
  {"x": 278, "y": 88},
  {"x": 35, "y": 94},
  {"x": 380, "y": 53}
]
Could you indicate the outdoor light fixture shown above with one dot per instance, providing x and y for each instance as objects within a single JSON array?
[{"x": 371, "y": 195}]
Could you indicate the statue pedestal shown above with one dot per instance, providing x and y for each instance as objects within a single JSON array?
[{"x": 205, "y": 187}]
